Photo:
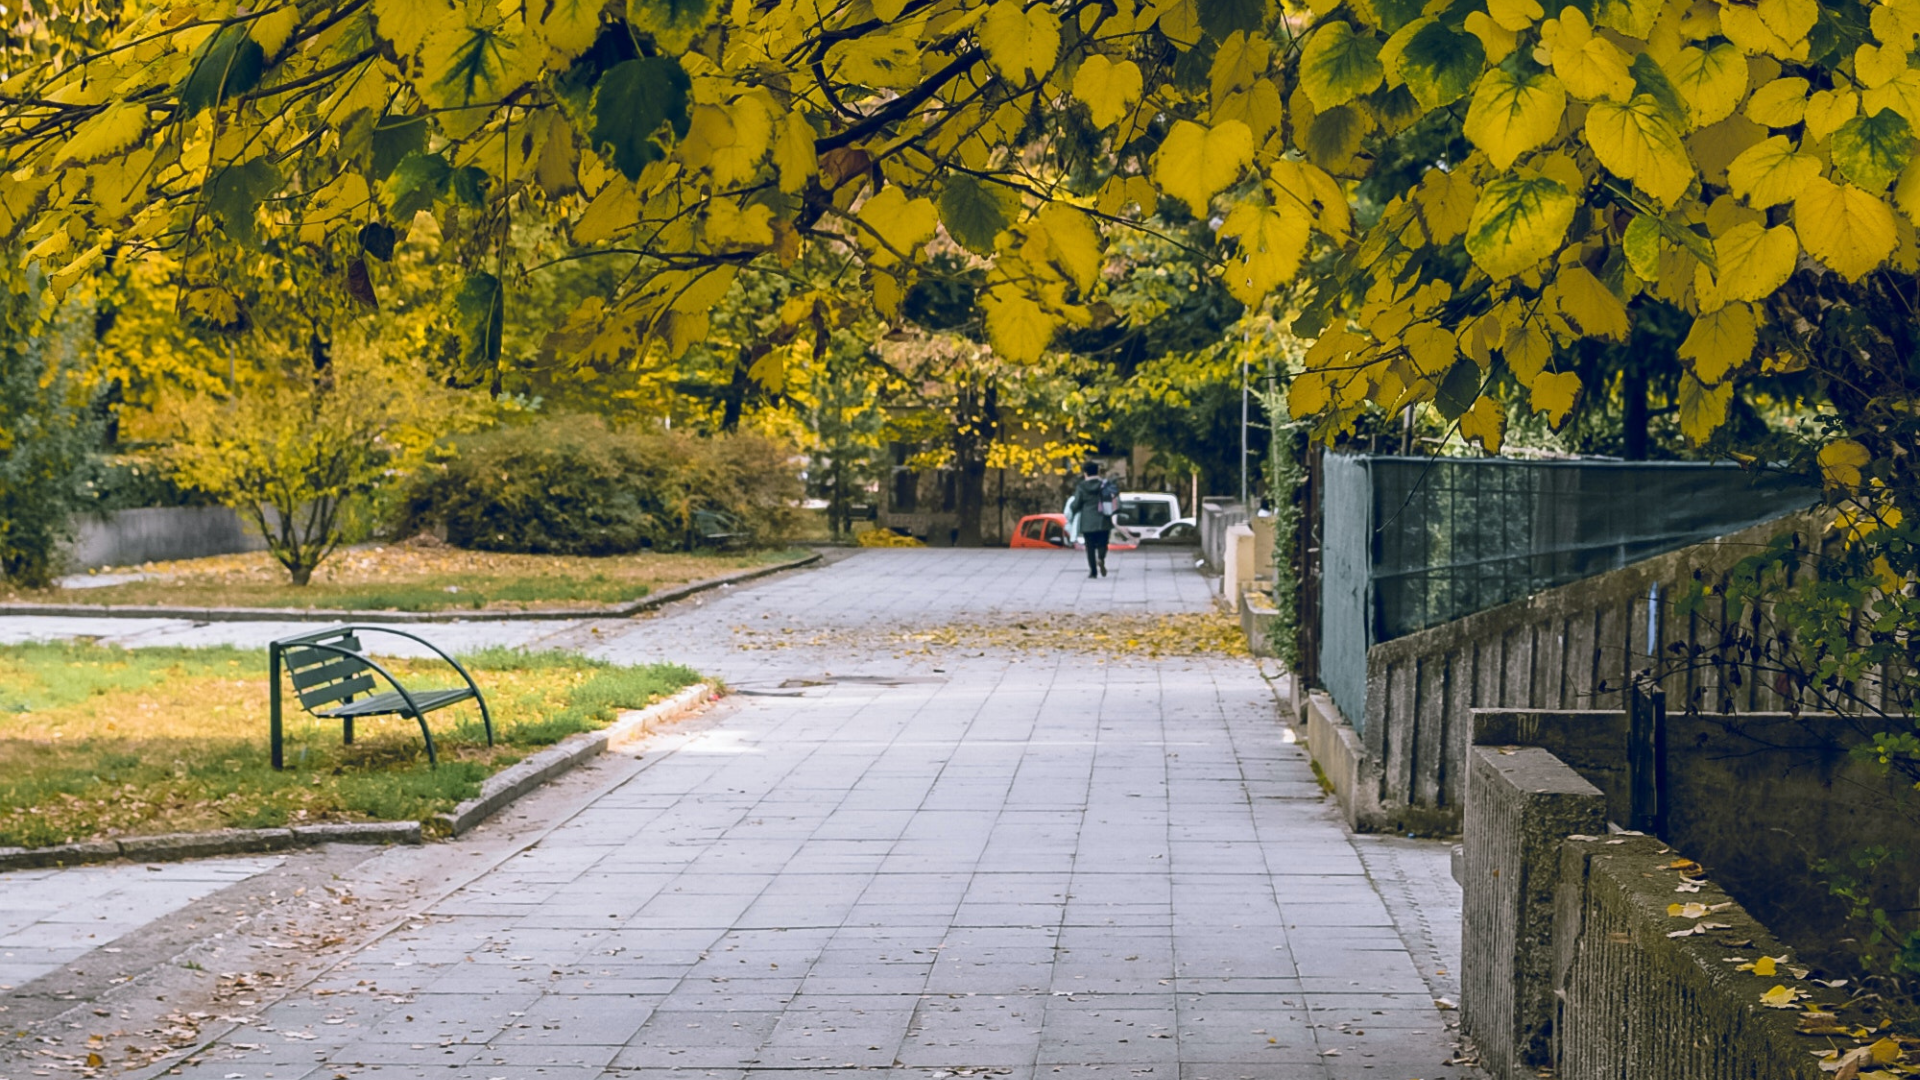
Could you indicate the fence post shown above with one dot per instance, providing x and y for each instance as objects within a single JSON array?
[{"x": 1647, "y": 758}]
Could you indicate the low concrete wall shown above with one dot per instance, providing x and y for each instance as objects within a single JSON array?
[
  {"x": 1554, "y": 650},
  {"x": 1577, "y": 960},
  {"x": 1635, "y": 1001},
  {"x": 1758, "y": 798},
  {"x": 1523, "y": 802},
  {"x": 1217, "y": 515},
  {"x": 131, "y": 537},
  {"x": 1343, "y": 762}
]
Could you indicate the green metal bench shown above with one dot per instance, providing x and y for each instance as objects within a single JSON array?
[
  {"x": 717, "y": 527},
  {"x": 334, "y": 679}
]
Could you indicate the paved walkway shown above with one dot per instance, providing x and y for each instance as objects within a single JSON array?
[{"x": 950, "y": 862}]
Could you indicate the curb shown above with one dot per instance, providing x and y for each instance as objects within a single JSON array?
[
  {"x": 167, "y": 847},
  {"x": 509, "y": 785},
  {"x": 335, "y": 615}
]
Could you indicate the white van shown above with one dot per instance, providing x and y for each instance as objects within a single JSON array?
[{"x": 1152, "y": 515}]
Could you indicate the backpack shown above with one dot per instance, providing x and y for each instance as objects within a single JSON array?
[{"x": 1109, "y": 497}]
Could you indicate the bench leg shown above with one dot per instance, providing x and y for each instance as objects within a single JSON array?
[
  {"x": 433, "y": 761},
  {"x": 486, "y": 717},
  {"x": 273, "y": 708},
  {"x": 348, "y": 725}
]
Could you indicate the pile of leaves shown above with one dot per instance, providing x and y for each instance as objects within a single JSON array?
[{"x": 887, "y": 538}]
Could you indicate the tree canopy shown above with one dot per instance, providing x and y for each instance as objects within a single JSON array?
[{"x": 1473, "y": 185}]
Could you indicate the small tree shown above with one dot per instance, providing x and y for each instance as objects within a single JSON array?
[
  {"x": 47, "y": 438},
  {"x": 300, "y": 454}
]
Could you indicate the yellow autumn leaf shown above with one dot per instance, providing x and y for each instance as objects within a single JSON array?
[
  {"x": 1486, "y": 421},
  {"x": 1590, "y": 67},
  {"x": 730, "y": 225},
  {"x": 1515, "y": 15},
  {"x": 1827, "y": 110},
  {"x": 1433, "y": 349},
  {"x": 1517, "y": 222},
  {"x": 1554, "y": 393},
  {"x": 1780, "y": 103},
  {"x": 1778, "y": 998},
  {"x": 1771, "y": 172},
  {"x": 1710, "y": 82},
  {"x": 1720, "y": 341},
  {"x": 1754, "y": 260},
  {"x": 903, "y": 224},
  {"x": 1766, "y": 966},
  {"x": 1109, "y": 89},
  {"x": 1846, "y": 228},
  {"x": 1020, "y": 40},
  {"x": 271, "y": 30},
  {"x": 1498, "y": 41},
  {"x": 569, "y": 26},
  {"x": 1686, "y": 911},
  {"x": 1511, "y": 114},
  {"x": 1703, "y": 408},
  {"x": 406, "y": 23},
  {"x": 1636, "y": 142},
  {"x": 1271, "y": 241},
  {"x": 1446, "y": 199},
  {"x": 793, "y": 153},
  {"x": 1196, "y": 163},
  {"x": 1586, "y": 302},
  {"x": 1019, "y": 328},
  {"x": 1072, "y": 243},
  {"x": 1841, "y": 462},
  {"x": 109, "y": 132},
  {"x": 1527, "y": 348}
]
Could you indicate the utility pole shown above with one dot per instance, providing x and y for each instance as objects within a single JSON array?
[{"x": 1243, "y": 421}]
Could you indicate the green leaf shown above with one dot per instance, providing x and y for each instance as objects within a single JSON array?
[
  {"x": 975, "y": 213},
  {"x": 1339, "y": 65},
  {"x": 479, "y": 315},
  {"x": 237, "y": 192},
  {"x": 1334, "y": 136},
  {"x": 1220, "y": 18},
  {"x": 469, "y": 185},
  {"x": 1441, "y": 65},
  {"x": 229, "y": 65},
  {"x": 1458, "y": 390},
  {"x": 635, "y": 99},
  {"x": 1517, "y": 222},
  {"x": 394, "y": 137},
  {"x": 1642, "y": 244},
  {"x": 416, "y": 183},
  {"x": 1650, "y": 79},
  {"x": 1394, "y": 14},
  {"x": 1872, "y": 150},
  {"x": 673, "y": 23}
]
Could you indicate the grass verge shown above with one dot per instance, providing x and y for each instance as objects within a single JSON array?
[
  {"x": 101, "y": 742},
  {"x": 401, "y": 577}
]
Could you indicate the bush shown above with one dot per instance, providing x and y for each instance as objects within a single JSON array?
[
  {"x": 47, "y": 441},
  {"x": 571, "y": 486}
]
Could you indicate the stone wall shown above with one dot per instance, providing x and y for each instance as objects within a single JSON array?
[
  {"x": 1575, "y": 962},
  {"x": 1761, "y": 799},
  {"x": 132, "y": 537}
]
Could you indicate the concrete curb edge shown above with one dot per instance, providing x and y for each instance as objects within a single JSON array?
[
  {"x": 343, "y": 615},
  {"x": 168, "y": 847},
  {"x": 509, "y": 785}
]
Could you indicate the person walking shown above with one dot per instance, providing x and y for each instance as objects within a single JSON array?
[{"x": 1091, "y": 514}]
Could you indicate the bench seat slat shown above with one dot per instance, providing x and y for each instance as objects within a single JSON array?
[
  {"x": 333, "y": 669},
  {"x": 392, "y": 703},
  {"x": 331, "y": 692}
]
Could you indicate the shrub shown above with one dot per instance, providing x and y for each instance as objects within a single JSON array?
[
  {"x": 47, "y": 440},
  {"x": 569, "y": 485}
]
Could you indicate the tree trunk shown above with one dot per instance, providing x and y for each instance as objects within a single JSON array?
[
  {"x": 1633, "y": 424},
  {"x": 301, "y": 575},
  {"x": 979, "y": 423}
]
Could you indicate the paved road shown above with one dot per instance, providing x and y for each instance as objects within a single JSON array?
[{"x": 963, "y": 861}]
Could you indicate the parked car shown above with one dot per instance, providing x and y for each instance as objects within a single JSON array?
[
  {"x": 1050, "y": 531},
  {"x": 1153, "y": 516}
]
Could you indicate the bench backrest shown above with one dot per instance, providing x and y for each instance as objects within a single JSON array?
[{"x": 323, "y": 677}]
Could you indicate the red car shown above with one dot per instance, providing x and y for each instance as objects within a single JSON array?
[{"x": 1050, "y": 531}]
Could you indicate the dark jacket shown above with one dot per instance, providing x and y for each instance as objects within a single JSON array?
[{"x": 1083, "y": 510}]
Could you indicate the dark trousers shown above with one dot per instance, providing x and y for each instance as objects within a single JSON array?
[{"x": 1096, "y": 549}]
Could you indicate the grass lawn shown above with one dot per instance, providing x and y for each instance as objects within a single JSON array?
[
  {"x": 101, "y": 742},
  {"x": 404, "y": 577}
]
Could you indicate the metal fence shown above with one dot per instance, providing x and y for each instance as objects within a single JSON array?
[{"x": 1411, "y": 542}]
